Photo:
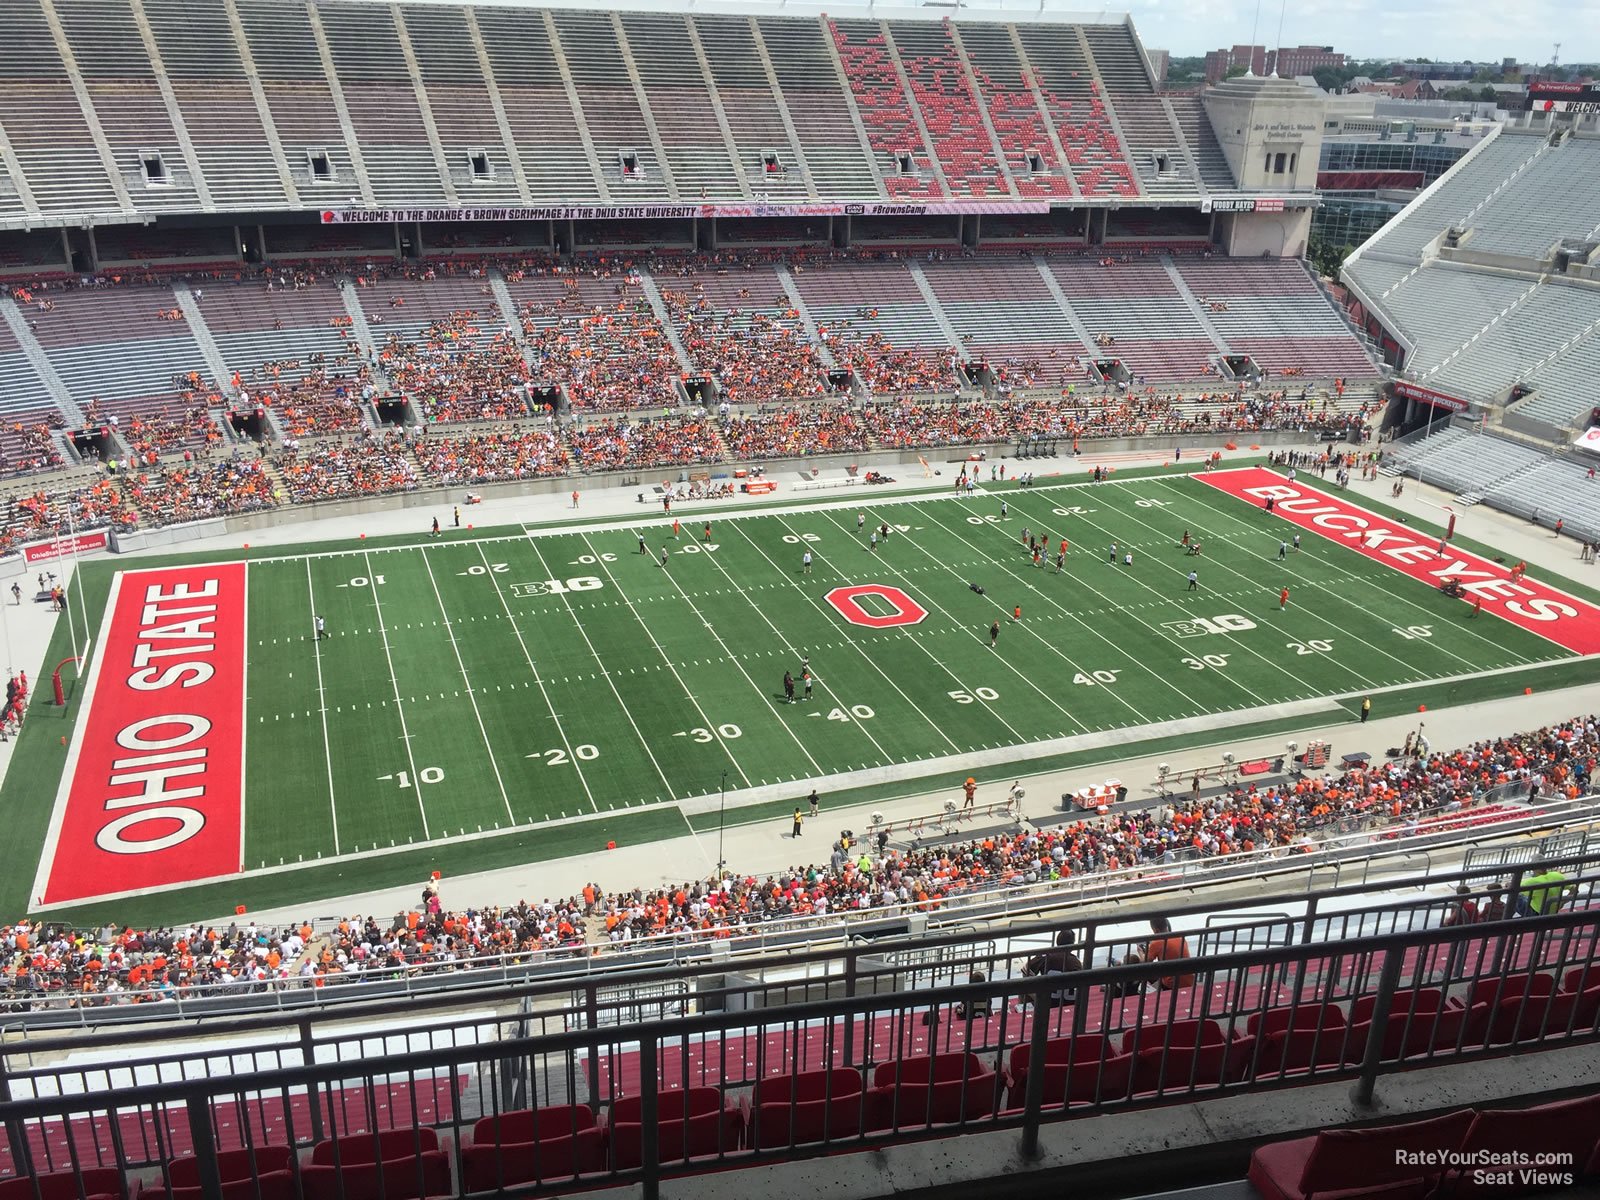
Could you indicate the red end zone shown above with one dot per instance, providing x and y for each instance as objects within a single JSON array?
[
  {"x": 152, "y": 795},
  {"x": 1536, "y": 607}
]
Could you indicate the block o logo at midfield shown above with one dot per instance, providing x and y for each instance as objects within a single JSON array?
[{"x": 904, "y": 610}]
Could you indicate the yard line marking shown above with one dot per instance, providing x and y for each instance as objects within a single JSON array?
[
  {"x": 851, "y": 645},
  {"x": 1310, "y": 582},
  {"x": 584, "y": 633},
  {"x": 644, "y": 625},
  {"x": 1155, "y": 629},
  {"x": 405, "y": 734},
  {"x": 472, "y": 699},
  {"x": 959, "y": 628},
  {"x": 1379, "y": 584},
  {"x": 322, "y": 703},
  {"x": 1121, "y": 651},
  {"x": 735, "y": 659},
  {"x": 560, "y": 732}
]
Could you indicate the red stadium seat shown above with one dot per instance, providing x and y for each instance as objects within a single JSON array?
[
  {"x": 1418, "y": 1000},
  {"x": 66, "y": 1185},
  {"x": 414, "y": 1177},
  {"x": 246, "y": 1163},
  {"x": 534, "y": 1124},
  {"x": 1179, "y": 1033},
  {"x": 943, "y": 1103},
  {"x": 1495, "y": 991},
  {"x": 837, "y": 1082},
  {"x": 1300, "y": 1016},
  {"x": 1086, "y": 1047},
  {"x": 273, "y": 1185},
  {"x": 678, "y": 1138},
  {"x": 1356, "y": 1163},
  {"x": 776, "y": 1124},
  {"x": 382, "y": 1146},
  {"x": 1567, "y": 1127},
  {"x": 487, "y": 1167},
  {"x": 670, "y": 1105}
]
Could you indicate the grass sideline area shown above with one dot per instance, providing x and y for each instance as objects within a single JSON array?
[{"x": 504, "y": 695}]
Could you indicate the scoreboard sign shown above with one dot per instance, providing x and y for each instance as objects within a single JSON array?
[{"x": 1550, "y": 96}]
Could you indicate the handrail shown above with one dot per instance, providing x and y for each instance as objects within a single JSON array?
[
  {"x": 662, "y": 1045},
  {"x": 983, "y": 904},
  {"x": 568, "y": 991}
]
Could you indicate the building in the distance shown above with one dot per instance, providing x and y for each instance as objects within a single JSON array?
[
  {"x": 1287, "y": 61},
  {"x": 1160, "y": 60},
  {"x": 1219, "y": 62}
]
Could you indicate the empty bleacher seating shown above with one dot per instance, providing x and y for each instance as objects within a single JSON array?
[
  {"x": 1138, "y": 308},
  {"x": 1272, "y": 310},
  {"x": 949, "y": 108},
  {"x": 1061, "y": 72},
  {"x": 904, "y": 160}
]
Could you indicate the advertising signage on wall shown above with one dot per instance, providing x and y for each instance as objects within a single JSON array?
[
  {"x": 1243, "y": 205},
  {"x": 675, "y": 212},
  {"x": 1554, "y": 96},
  {"x": 1415, "y": 391}
]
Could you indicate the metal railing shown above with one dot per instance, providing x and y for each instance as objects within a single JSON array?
[
  {"x": 712, "y": 1089},
  {"x": 1366, "y": 852}
]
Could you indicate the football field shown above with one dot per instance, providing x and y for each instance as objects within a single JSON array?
[{"x": 473, "y": 687}]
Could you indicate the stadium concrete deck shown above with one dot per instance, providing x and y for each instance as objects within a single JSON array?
[{"x": 759, "y": 848}]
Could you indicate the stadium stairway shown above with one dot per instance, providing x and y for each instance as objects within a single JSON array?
[
  {"x": 806, "y": 321},
  {"x": 658, "y": 306},
  {"x": 359, "y": 329},
  {"x": 1192, "y": 302},
  {"x": 508, "y": 310},
  {"x": 202, "y": 335},
  {"x": 34, "y": 353}
]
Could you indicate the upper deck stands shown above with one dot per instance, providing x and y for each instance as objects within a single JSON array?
[
  {"x": 1025, "y": 139},
  {"x": 751, "y": 106},
  {"x": 1072, "y": 97},
  {"x": 1461, "y": 189},
  {"x": 459, "y": 101},
  {"x": 253, "y": 106},
  {"x": 950, "y": 110},
  {"x": 904, "y": 159}
]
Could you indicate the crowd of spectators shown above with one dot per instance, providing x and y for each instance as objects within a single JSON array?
[
  {"x": 51, "y": 513},
  {"x": 166, "y": 427},
  {"x": 755, "y": 354},
  {"x": 493, "y": 457},
  {"x": 46, "y": 962},
  {"x": 456, "y": 373},
  {"x": 614, "y": 356},
  {"x": 620, "y": 444},
  {"x": 1556, "y": 760},
  {"x": 884, "y": 370},
  {"x": 367, "y": 465},
  {"x": 28, "y": 446},
  {"x": 172, "y": 494},
  {"x": 796, "y": 432},
  {"x": 315, "y": 403}
]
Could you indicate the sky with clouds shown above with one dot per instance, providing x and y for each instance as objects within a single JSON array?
[{"x": 1524, "y": 29}]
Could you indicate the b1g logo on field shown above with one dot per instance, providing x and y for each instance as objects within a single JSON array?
[{"x": 876, "y": 605}]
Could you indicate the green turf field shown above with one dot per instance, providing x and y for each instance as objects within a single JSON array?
[
  {"x": 474, "y": 685},
  {"x": 472, "y": 688}
]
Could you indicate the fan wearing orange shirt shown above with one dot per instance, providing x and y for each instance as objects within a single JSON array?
[{"x": 1164, "y": 948}]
